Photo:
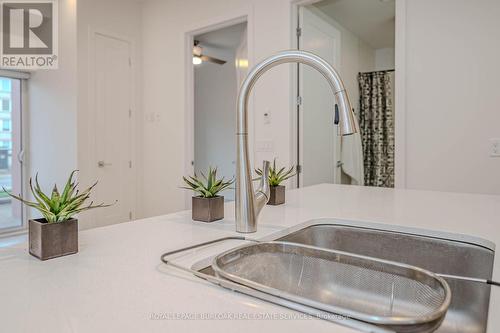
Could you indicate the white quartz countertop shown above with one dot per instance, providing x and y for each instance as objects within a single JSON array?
[{"x": 116, "y": 282}]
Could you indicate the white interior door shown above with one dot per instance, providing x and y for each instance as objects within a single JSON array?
[
  {"x": 319, "y": 145},
  {"x": 113, "y": 128}
]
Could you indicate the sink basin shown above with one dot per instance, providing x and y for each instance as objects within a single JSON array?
[{"x": 468, "y": 312}]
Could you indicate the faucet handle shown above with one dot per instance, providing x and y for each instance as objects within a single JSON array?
[
  {"x": 264, "y": 191},
  {"x": 264, "y": 181}
]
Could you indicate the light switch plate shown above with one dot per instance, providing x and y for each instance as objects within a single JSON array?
[
  {"x": 264, "y": 146},
  {"x": 495, "y": 147}
]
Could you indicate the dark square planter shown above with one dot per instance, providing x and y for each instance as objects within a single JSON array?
[
  {"x": 208, "y": 209},
  {"x": 277, "y": 195},
  {"x": 52, "y": 240}
]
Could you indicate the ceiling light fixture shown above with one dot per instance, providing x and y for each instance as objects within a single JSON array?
[
  {"x": 198, "y": 53},
  {"x": 197, "y": 60},
  {"x": 242, "y": 63}
]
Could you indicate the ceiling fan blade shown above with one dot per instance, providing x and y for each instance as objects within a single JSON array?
[
  {"x": 197, "y": 50},
  {"x": 213, "y": 60}
]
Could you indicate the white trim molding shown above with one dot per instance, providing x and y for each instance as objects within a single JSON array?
[
  {"x": 400, "y": 96},
  {"x": 245, "y": 15},
  {"x": 14, "y": 74}
]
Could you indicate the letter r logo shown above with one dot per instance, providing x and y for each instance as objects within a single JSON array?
[{"x": 27, "y": 27}]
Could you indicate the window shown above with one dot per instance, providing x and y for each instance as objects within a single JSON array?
[
  {"x": 5, "y": 144},
  {"x": 6, "y": 105},
  {"x": 11, "y": 212},
  {"x": 5, "y": 85},
  {"x": 6, "y": 123}
]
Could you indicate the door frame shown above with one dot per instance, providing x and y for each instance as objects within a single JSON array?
[
  {"x": 233, "y": 18},
  {"x": 24, "y": 151},
  {"x": 399, "y": 96},
  {"x": 136, "y": 116},
  {"x": 299, "y": 118}
]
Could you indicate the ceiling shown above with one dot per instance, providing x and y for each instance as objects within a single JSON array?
[
  {"x": 373, "y": 21},
  {"x": 226, "y": 38}
]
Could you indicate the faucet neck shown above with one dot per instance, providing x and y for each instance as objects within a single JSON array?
[
  {"x": 247, "y": 207},
  {"x": 306, "y": 58}
]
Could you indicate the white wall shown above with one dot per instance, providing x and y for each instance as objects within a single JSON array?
[
  {"x": 453, "y": 104},
  {"x": 165, "y": 24},
  {"x": 59, "y": 129},
  {"x": 120, "y": 19},
  {"x": 52, "y": 113},
  {"x": 385, "y": 58},
  {"x": 215, "y": 117},
  {"x": 450, "y": 116}
]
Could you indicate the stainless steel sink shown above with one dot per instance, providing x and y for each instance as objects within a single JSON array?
[{"x": 468, "y": 312}]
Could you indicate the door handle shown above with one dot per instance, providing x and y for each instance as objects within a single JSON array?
[
  {"x": 102, "y": 164},
  {"x": 20, "y": 156}
]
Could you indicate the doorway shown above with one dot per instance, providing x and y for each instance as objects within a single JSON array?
[
  {"x": 357, "y": 38},
  {"x": 220, "y": 61},
  {"x": 319, "y": 142},
  {"x": 114, "y": 165}
]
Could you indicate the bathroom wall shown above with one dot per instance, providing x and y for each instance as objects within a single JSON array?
[
  {"x": 453, "y": 104},
  {"x": 385, "y": 58}
]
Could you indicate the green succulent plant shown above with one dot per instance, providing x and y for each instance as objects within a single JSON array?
[
  {"x": 59, "y": 207},
  {"x": 276, "y": 177},
  {"x": 207, "y": 186}
]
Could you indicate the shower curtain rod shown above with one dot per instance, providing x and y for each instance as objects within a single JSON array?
[{"x": 385, "y": 70}]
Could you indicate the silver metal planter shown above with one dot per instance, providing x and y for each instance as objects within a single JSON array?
[
  {"x": 277, "y": 195},
  {"x": 208, "y": 209},
  {"x": 52, "y": 240}
]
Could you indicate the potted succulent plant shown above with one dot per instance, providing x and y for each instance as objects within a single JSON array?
[
  {"x": 56, "y": 234},
  {"x": 276, "y": 177},
  {"x": 207, "y": 205}
]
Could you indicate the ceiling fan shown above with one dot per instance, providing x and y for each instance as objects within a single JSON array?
[{"x": 199, "y": 57}]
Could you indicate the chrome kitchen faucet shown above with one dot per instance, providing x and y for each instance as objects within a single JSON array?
[{"x": 248, "y": 203}]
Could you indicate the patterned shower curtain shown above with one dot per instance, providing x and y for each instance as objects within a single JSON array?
[{"x": 376, "y": 120}]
